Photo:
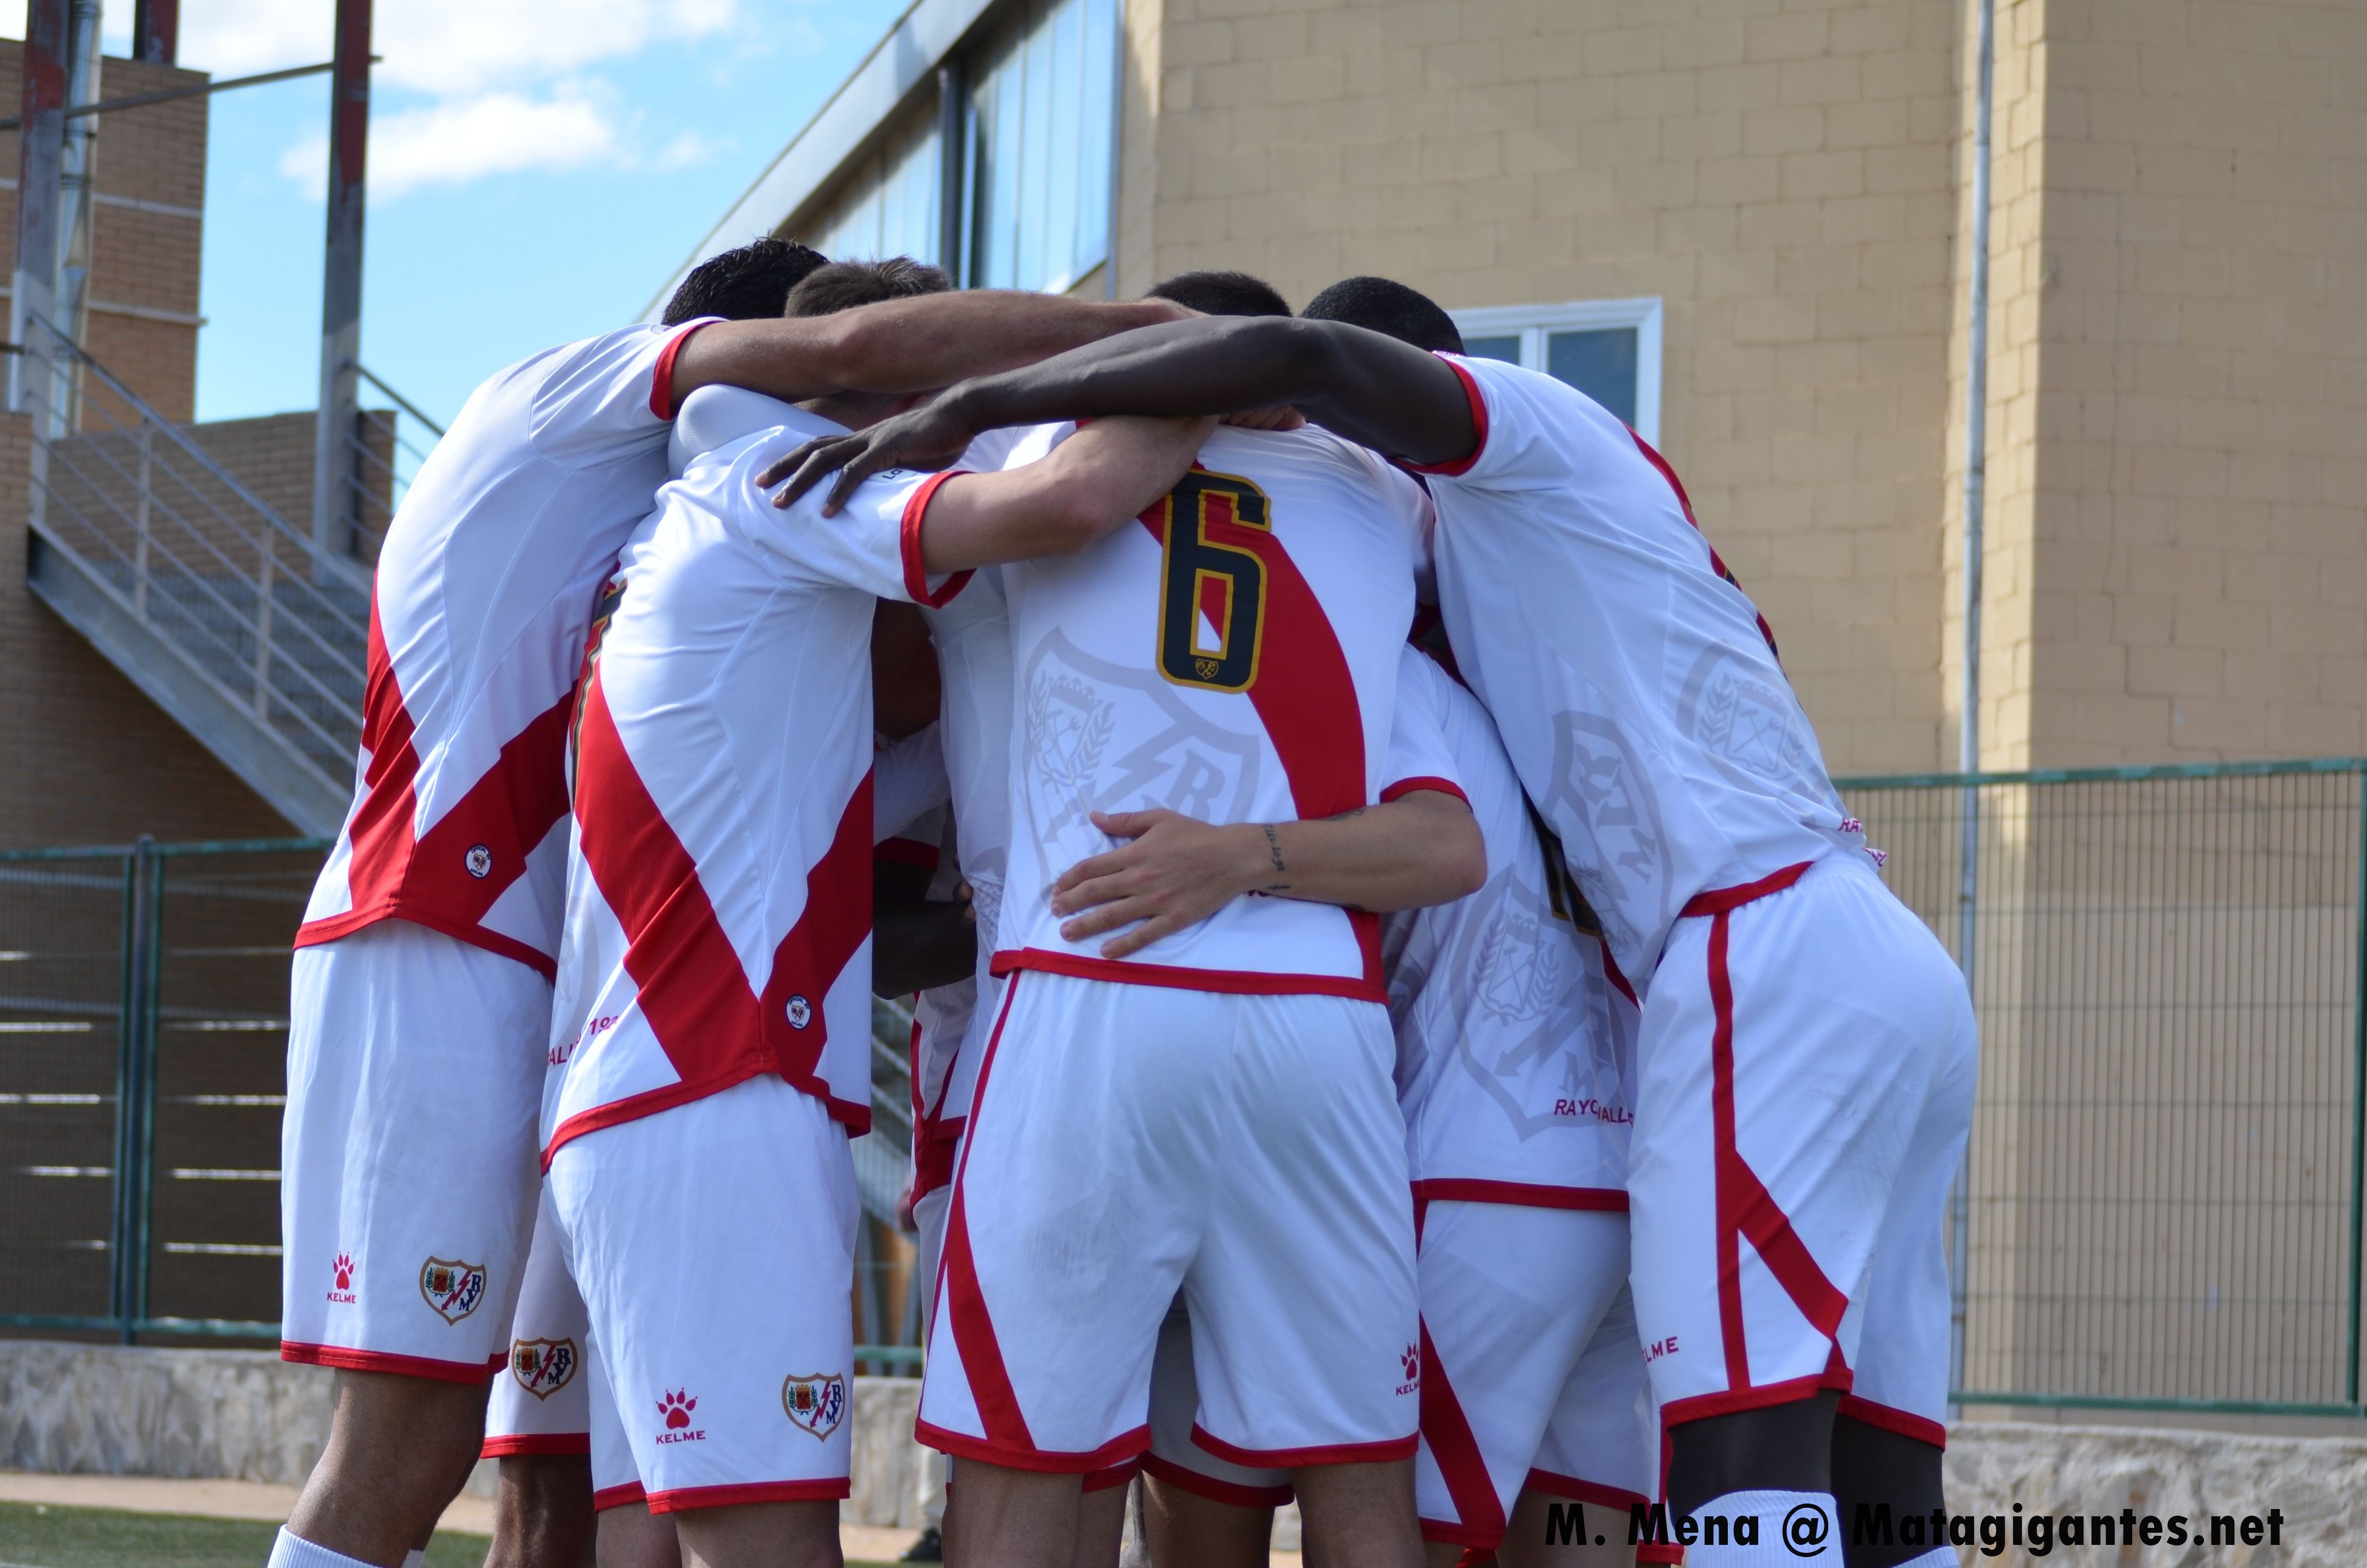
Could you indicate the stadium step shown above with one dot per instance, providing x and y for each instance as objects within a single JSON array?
[{"x": 231, "y": 619}]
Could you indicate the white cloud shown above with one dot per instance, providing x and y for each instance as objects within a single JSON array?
[{"x": 576, "y": 126}]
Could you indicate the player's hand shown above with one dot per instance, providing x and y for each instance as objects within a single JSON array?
[
  {"x": 1281, "y": 416},
  {"x": 926, "y": 439},
  {"x": 1175, "y": 872}
]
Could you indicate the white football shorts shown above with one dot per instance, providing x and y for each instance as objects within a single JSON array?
[
  {"x": 407, "y": 1152},
  {"x": 542, "y": 1402},
  {"x": 1129, "y": 1141},
  {"x": 714, "y": 1244},
  {"x": 1532, "y": 1377},
  {"x": 1805, "y": 1062}
]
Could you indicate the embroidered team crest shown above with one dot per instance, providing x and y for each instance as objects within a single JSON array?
[
  {"x": 816, "y": 1404},
  {"x": 452, "y": 1289},
  {"x": 543, "y": 1367},
  {"x": 480, "y": 861}
]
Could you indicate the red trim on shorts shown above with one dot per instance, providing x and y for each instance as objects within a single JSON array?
[
  {"x": 1110, "y": 1477},
  {"x": 1291, "y": 1459},
  {"x": 662, "y": 402},
  {"x": 1725, "y": 900},
  {"x": 936, "y": 1145},
  {"x": 622, "y": 1496},
  {"x": 906, "y": 852},
  {"x": 1119, "y": 1449},
  {"x": 1700, "y": 1406},
  {"x": 1460, "y": 466},
  {"x": 509, "y": 1443},
  {"x": 964, "y": 1301},
  {"x": 346, "y": 1359},
  {"x": 1520, "y": 1194},
  {"x": 1232, "y": 1493},
  {"x": 1224, "y": 981},
  {"x": 1479, "y": 1512},
  {"x": 391, "y": 872},
  {"x": 1557, "y": 1485},
  {"x": 1890, "y": 1418},
  {"x": 1405, "y": 787},
  {"x": 1744, "y": 1206},
  {"x": 916, "y": 576},
  {"x": 679, "y": 1499}
]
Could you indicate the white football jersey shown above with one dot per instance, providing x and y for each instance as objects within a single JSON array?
[
  {"x": 718, "y": 919},
  {"x": 485, "y": 592},
  {"x": 1515, "y": 1049},
  {"x": 1634, "y": 685},
  {"x": 1232, "y": 655}
]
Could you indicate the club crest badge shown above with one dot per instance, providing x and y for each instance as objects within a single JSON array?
[
  {"x": 543, "y": 1367},
  {"x": 454, "y": 1290},
  {"x": 815, "y": 1404}
]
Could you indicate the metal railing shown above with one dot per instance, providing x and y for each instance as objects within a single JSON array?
[
  {"x": 275, "y": 625},
  {"x": 143, "y": 1044},
  {"x": 388, "y": 444},
  {"x": 2165, "y": 1180}
]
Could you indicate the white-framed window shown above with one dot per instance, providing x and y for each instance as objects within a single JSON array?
[{"x": 1609, "y": 349}]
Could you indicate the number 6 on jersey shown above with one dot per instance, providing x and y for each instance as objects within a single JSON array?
[{"x": 1202, "y": 573}]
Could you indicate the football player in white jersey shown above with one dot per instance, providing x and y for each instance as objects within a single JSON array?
[
  {"x": 1233, "y": 658},
  {"x": 420, "y": 1001},
  {"x": 711, "y": 1021},
  {"x": 1806, "y": 1053}
]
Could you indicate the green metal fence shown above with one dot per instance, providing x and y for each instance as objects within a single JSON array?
[
  {"x": 2163, "y": 1195},
  {"x": 2162, "y": 1207}
]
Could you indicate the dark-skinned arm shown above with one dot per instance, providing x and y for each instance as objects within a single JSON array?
[
  {"x": 916, "y": 941},
  {"x": 1372, "y": 389},
  {"x": 902, "y": 346}
]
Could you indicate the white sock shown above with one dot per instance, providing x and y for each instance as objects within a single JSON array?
[
  {"x": 415, "y": 1558},
  {"x": 1782, "y": 1529},
  {"x": 295, "y": 1552}
]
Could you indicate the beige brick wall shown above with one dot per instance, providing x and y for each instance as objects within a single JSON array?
[
  {"x": 1779, "y": 172},
  {"x": 2197, "y": 314}
]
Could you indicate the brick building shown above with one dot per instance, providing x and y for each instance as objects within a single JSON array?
[
  {"x": 91, "y": 758},
  {"x": 1741, "y": 223}
]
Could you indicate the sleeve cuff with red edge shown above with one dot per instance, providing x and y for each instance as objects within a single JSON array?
[
  {"x": 916, "y": 579},
  {"x": 1413, "y": 786},
  {"x": 662, "y": 402},
  {"x": 1462, "y": 465}
]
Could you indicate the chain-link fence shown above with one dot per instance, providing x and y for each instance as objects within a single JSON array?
[
  {"x": 2165, "y": 1195},
  {"x": 2165, "y": 1177}
]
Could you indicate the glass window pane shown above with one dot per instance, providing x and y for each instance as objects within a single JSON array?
[
  {"x": 1095, "y": 134},
  {"x": 1507, "y": 349},
  {"x": 1601, "y": 364},
  {"x": 1035, "y": 262},
  {"x": 1066, "y": 85}
]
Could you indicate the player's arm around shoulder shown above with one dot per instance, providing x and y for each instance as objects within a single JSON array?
[
  {"x": 1062, "y": 503},
  {"x": 1421, "y": 848}
]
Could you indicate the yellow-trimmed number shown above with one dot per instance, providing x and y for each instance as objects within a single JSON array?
[{"x": 1227, "y": 580}]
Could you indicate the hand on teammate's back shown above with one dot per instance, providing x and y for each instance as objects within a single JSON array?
[
  {"x": 926, "y": 439},
  {"x": 1175, "y": 871}
]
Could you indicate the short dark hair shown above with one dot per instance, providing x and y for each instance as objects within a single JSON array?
[
  {"x": 1385, "y": 305},
  {"x": 843, "y": 285},
  {"x": 746, "y": 284},
  {"x": 1214, "y": 293}
]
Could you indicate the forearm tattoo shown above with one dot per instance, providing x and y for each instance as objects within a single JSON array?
[{"x": 1273, "y": 852}]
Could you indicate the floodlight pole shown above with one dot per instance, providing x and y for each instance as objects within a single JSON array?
[
  {"x": 156, "y": 31},
  {"x": 334, "y": 480}
]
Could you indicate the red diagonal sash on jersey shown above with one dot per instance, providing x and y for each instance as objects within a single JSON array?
[
  {"x": 429, "y": 882},
  {"x": 1716, "y": 562},
  {"x": 691, "y": 987},
  {"x": 1304, "y": 694}
]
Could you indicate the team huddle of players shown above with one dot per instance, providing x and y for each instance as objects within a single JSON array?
[{"x": 1404, "y": 1019}]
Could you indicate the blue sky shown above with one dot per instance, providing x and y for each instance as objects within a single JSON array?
[{"x": 538, "y": 167}]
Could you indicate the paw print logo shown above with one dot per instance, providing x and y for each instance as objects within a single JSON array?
[
  {"x": 480, "y": 861},
  {"x": 801, "y": 1012},
  {"x": 676, "y": 1409},
  {"x": 345, "y": 1272},
  {"x": 1411, "y": 1359}
]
